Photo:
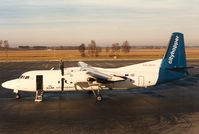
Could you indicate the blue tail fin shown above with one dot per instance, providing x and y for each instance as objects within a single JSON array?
[
  {"x": 175, "y": 55},
  {"x": 174, "y": 65}
]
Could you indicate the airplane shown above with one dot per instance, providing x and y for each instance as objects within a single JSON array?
[{"x": 94, "y": 79}]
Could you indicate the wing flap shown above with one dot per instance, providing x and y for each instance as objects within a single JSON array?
[{"x": 179, "y": 69}]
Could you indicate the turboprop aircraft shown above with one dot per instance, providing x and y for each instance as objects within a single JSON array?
[{"x": 173, "y": 66}]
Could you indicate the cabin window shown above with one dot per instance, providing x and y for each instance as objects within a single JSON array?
[
  {"x": 65, "y": 81},
  {"x": 58, "y": 81},
  {"x": 22, "y": 77}
]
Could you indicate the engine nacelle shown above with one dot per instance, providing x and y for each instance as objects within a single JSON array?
[{"x": 90, "y": 79}]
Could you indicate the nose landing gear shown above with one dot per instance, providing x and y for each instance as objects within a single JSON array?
[{"x": 17, "y": 97}]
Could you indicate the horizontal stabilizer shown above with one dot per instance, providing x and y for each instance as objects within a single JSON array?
[{"x": 179, "y": 69}]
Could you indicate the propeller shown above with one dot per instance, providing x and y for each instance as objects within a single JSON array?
[
  {"x": 61, "y": 66},
  {"x": 62, "y": 84}
]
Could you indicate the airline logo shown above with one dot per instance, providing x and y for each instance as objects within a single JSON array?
[{"x": 172, "y": 53}]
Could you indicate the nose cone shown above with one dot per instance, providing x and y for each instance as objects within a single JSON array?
[{"x": 11, "y": 84}]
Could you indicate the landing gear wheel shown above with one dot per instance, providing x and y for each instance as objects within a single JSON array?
[
  {"x": 99, "y": 98},
  {"x": 17, "y": 96}
]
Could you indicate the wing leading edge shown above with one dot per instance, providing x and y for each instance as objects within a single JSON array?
[{"x": 101, "y": 77}]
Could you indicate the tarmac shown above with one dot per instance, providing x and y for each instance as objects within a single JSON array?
[{"x": 169, "y": 108}]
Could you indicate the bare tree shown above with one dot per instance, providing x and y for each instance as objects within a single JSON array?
[
  {"x": 92, "y": 48},
  {"x": 89, "y": 49},
  {"x": 126, "y": 47},
  {"x": 82, "y": 49},
  {"x": 1, "y": 42},
  {"x": 6, "y": 46},
  {"x": 116, "y": 48}
]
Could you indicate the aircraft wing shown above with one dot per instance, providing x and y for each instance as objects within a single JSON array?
[
  {"x": 99, "y": 75},
  {"x": 82, "y": 64},
  {"x": 104, "y": 78}
]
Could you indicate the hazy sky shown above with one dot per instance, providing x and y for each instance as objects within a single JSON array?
[{"x": 71, "y": 22}]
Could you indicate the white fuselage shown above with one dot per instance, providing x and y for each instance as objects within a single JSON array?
[{"x": 75, "y": 79}]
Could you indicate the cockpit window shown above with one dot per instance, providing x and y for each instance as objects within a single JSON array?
[
  {"x": 27, "y": 77},
  {"x": 21, "y": 77},
  {"x": 24, "y": 77}
]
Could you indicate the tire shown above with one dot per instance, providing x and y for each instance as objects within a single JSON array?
[
  {"x": 17, "y": 96},
  {"x": 99, "y": 98}
]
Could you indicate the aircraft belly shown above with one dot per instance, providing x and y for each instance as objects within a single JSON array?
[{"x": 122, "y": 85}]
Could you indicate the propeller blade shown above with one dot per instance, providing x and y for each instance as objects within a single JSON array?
[
  {"x": 61, "y": 66},
  {"x": 62, "y": 84}
]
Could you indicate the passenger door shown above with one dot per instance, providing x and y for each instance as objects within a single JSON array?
[
  {"x": 39, "y": 82},
  {"x": 141, "y": 81}
]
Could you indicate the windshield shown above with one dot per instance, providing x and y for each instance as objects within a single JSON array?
[{"x": 24, "y": 77}]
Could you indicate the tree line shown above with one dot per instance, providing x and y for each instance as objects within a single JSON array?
[
  {"x": 4, "y": 44},
  {"x": 94, "y": 50}
]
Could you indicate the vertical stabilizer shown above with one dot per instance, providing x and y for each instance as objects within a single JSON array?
[
  {"x": 174, "y": 65},
  {"x": 175, "y": 55}
]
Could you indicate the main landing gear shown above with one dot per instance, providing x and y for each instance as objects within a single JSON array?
[
  {"x": 97, "y": 94},
  {"x": 99, "y": 97}
]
